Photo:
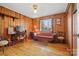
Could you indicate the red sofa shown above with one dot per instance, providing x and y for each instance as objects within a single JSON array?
[{"x": 44, "y": 36}]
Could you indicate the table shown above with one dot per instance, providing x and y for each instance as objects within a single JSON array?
[
  {"x": 61, "y": 38},
  {"x": 11, "y": 34},
  {"x": 3, "y": 43}
]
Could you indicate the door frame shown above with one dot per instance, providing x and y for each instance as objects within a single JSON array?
[{"x": 74, "y": 36}]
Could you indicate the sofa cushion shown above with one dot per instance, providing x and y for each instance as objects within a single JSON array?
[{"x": 45, "y": 35}]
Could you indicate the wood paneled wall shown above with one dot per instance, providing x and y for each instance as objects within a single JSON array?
[
  {"x": 12, "y": 18},
  {"x": 56, "y": 27},
  {"x": 6, "y": 11},
  {"x": 69, "y": 32}
]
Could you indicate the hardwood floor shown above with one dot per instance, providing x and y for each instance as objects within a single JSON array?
[{"x": 34, "y": 48}]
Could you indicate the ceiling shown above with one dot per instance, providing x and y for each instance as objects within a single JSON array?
[{"x": 44, "y": 9}]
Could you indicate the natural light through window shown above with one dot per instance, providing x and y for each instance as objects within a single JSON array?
[{"x": 46, "y": 25}]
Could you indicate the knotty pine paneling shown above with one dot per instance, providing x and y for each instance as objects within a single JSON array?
[
  {"x": 55, "y": 27},
  {"x": 6, "y": 20}
]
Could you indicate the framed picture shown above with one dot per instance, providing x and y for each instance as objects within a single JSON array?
[{"x": 58, "y": 21}]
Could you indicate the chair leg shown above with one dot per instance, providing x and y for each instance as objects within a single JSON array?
[{"x": 3, "y": 49}]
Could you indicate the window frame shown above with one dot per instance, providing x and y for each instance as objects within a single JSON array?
[{"x": 51, "y": 25}]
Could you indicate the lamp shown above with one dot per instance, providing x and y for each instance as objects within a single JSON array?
[{"x": 35, "y": 7}]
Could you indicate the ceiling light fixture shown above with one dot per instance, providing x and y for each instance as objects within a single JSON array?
[{"x": 35, "y": 7}]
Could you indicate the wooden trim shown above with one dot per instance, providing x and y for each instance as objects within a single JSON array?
[
  {"x": 71, "y": 5},
  {"x": 49, "y": 16},
  {"x": 68, "y": 7},
  {"x": 8, "y": 16},
  {"x": 11, "y": 13}
]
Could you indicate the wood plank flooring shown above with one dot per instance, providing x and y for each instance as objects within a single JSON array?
[{"x": 35, "y": 48}]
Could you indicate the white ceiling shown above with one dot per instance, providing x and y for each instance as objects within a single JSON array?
[{"x": 44, "y": 9}]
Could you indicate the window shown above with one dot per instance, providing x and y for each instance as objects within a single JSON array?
[{"x": 46, "y": 25}]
